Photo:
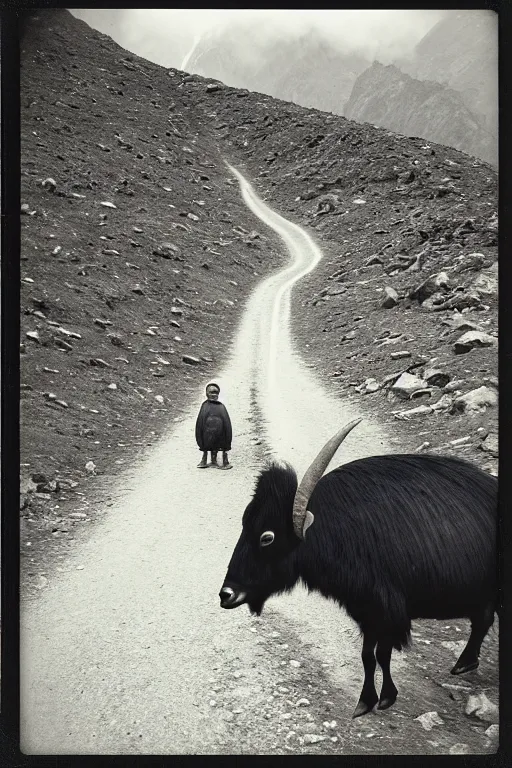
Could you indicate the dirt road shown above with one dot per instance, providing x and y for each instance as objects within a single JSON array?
[{"x": 128, "y": 652}]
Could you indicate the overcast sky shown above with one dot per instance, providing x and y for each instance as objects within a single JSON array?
[{"x": 166, "y": 36}]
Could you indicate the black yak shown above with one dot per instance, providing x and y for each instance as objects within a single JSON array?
[{"x": 395, "y": 538}]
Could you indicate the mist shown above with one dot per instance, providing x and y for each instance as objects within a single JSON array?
[{"x": 167, "y": 36}]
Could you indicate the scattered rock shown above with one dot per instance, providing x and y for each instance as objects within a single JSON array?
[
  {"x": 472, "y": 262},
  {"x": 102, "y": 323},
  {"x": 166, "y": 250},
  {"x": 407, "y": 385},
  {"x": 493, "y": 732},
  {"x": 65, "y": 345},
  {"x": 327, "y": 204},
  {"x": 370, "y": 385},
  {"x": 460, "y": 301},
  {"x": 34, "y": 335},
  {"x": 190, "y": 360},
  {"x": 482, "y": 708},
  {"x": 313, "y": 738},
  {"x": 71, "y": 334},
  {"x": 224, "y": 303},
  {"x": 90, "y": 468},
  {"x": 475, "y": 401},
  {"x": 115, "y": 339},
  {"x": 486, "y": 284},
  {"x": 303, "y": 703},
  {"x": 429, "y": 720},
  {"x": 99, "y": 363},
  {"x": 453, "y": 386},
  {"x": 49, "y": 184},
  {"x": 460, "y": 441},
  {"x": 294, "y": 663},
  {"x": 390, "y": 298},
  {"x": 491, "y": 444},
  {"x": 435, "y": 377},
  {"x": 472, "y": 339},
  {"x": 459, "y": 749},
  {"x": 429, "y": 287},
  {"x": 373, "y": 260},
  {"x": 38, "y": 477},
  {"x": 107, "y": 204},
  {"x": 421, "y": 410}
]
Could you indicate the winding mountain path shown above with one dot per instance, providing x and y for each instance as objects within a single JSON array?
[{"x": 127, "y": 651}]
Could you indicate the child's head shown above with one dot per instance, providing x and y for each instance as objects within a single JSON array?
[{"x": 212, "y": 391}]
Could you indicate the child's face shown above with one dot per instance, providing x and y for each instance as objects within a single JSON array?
[{"x": 212, "y": 393}]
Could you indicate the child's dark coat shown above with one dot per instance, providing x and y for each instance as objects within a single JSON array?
[{"x": 213, "y": 427}]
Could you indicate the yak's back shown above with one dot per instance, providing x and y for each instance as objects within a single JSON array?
[{"x": 420, "y": 517}]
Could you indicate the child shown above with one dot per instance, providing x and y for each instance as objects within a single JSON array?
[{"x": 213, "y": 429}]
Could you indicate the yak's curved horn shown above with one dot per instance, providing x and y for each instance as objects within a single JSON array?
[{"x": 302, "y": 517}]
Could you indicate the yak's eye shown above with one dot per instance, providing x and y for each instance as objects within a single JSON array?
[{"x": 266, "y": 538}]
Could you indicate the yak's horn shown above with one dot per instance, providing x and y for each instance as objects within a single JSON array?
[{"x": 302, "y": 517}]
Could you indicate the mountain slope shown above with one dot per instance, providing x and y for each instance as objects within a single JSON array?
[
  {"x": 136, "y": 255},
  {"x": 388, "y": 98}
]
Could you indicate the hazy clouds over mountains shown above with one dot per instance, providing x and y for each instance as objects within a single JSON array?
[{"x": 166, "y": 36}]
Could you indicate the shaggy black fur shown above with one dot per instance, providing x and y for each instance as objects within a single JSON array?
[
  {"x": 395, "y": 538},
  {"x": 402, "y": 537}
]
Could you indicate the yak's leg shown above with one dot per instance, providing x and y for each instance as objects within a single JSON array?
[
  {"x": 469, "y": 658},
  {"x": 388, "y": 691},
  {"x": 368, "y": 698}
]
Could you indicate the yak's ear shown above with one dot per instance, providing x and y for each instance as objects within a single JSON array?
[{"x": 308, "y": 520}]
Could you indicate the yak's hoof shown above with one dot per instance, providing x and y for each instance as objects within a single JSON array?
[
  {"x": 459, "y": 670},
  {"x": 386, "y": 703},
  {"x": 363, "y": 708}
]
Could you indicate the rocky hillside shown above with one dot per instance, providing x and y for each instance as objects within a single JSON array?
[
  {"x": 403, "y": 310},
  {"x": 307, "y": 70},
  {"x": 137, "y": 254},
  {"x": 388, "y": 98}
]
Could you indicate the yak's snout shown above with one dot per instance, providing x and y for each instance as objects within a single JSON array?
[{"x": 231, "y": 598}]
